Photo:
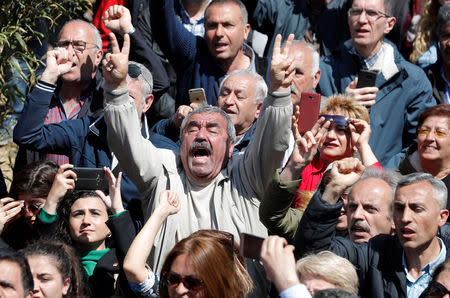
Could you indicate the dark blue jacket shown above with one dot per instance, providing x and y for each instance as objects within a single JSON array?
[
  {"x": 399, "y": 101},
  {"x": 83, "y": 140},
  {"x": 189, "y": 55},
  {"x": 284, "y": 17}
]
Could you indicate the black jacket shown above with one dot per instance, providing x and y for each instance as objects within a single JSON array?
[{"x": 378, "y": 262}]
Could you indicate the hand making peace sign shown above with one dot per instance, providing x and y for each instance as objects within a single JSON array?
[{"x": 115, "y": 64}]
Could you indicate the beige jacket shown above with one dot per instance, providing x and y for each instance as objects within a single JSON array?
[{"x": 235, "y": 193}]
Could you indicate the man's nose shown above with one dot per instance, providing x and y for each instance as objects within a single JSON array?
[
  {"x": 220, "y": 30},
  {"x": 358, "y": 213}
]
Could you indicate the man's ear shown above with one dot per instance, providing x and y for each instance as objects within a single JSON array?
[
  {"x": 390, "y": 22},
  {"x": 147, "y": 103},
  {"x": 98, "y": 57},
  {"x": 246, "y": 31},
  {"x": 230, "y": 149},
  {"x": 258, "y": 110},
  {"x": 443, "y": 214},
  {"x": 316, "y": 78}
]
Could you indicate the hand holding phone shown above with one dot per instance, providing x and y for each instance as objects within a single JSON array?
[
  {"x": 250, "y": 246},
  {"x": 91, "y": 179},
  {"x": 197, "y": 96}
]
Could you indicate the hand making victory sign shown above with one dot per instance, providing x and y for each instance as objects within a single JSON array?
[{"x": 115, "y": 64}]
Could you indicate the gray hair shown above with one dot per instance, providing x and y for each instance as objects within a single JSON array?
[
  {"x": 315, "y": 55},
  {"x": 203, "y": 109},
  {"x": 387, "y": 7},
  {"x": 244, "y": 13},
  {"x": 389, "y": 176},
  {"x": 439, "y": 188},
  {"x": 146, "y": 80},
  {"x": 260, "y": 87},
  {"x": 98, "y": 37},
  {"x": 443, "y": 19}
]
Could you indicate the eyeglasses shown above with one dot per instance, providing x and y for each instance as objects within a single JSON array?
[
  {"x": 78, "y": 45},
  {"x": 338, "y": 120},
  {"x": 191, "y": 283},
  {"x": 134, "y": 71},
  {"x": 438, "y": 132},
  {"x": 371, "y": 14},
  {"x": 435, "y": 290}
]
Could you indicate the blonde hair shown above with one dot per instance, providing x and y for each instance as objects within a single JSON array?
[
  {"x": 426, "y": 29},
  {"x": 343, "y": 105},
  {"x": 332, "y": 268}
]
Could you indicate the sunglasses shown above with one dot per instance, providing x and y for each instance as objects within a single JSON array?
[
  {"x": 435, "y": 290},
  {"x": 134, "y": 71},
  {"x": 77, "y": 45},
  {"x": 339, "y": 121},
  {"x": 190, "y": 283}
]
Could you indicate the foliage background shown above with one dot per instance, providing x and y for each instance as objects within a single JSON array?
[{"x": 20, "y": 22}]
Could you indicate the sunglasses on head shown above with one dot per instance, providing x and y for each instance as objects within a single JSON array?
[
  {"x": 190, "y": 283},
  {"x": 435, "y": 290},
  {"x": 134, "y": 70},
  {"x": 338, "y": 120}
]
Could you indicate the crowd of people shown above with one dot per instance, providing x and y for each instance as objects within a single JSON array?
[{"x": 356, "y": 206}]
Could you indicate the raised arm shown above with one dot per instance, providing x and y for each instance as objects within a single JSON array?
[
  {"x": 178, "y": 44},
  {"x": 137, "y": 156},
  {"x": 265, "y": 154},
  {"x": 134, "y": 265},
  {"x": 118, "y": 19},
  {"x": 275, "y": 211}
]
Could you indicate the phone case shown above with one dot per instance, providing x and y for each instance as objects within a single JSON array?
[
  {"x": 197, "y": 95},
  {"x": 366, "y": 78},
  {"x": 309, "y": 111},
  {"x": 91, "y": 179}
]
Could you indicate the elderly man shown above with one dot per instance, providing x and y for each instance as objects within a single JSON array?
[
  {"x": 84, "y": 139},
  {"x": 16, "y": 280},
  {"x": 203, "y": 62},
  {"x": 307, "y": 72},
  {"x": 241, "y": 96},
  {"x": 401, "y": 90},
  {"x": 75, "y": 92},
  {"x": 439, "y": 73},
  {"x": 216, "y": 190},
  {"x": 432, "y": 153},
  {"x": 388, "y": 265}
]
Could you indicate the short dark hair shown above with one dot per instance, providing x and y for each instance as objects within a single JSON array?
[
  {"x": 7, "y": 254},
  {"x": 244, "y": 13},
  {"x": 442, "y": 110}
]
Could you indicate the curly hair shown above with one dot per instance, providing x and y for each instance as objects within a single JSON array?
[
  {"x": 344, "y": 105},
  {"x": 426, "y": 29},
  {"x": 63, "y": 213},
  {"x": 215, "y": 257}
]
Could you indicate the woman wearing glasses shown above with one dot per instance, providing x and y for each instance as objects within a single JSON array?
[
  {"x": 432, "y": 153},
  {"x": 205, "y": 264},
  {"x": 342, "y": 131},
  {"x": 29, "y": 190}
]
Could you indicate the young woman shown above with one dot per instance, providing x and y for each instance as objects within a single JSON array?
[
  {"x": 90, "y": 221},
  {"x": 29, "y": 189},
  {"x": 56, "y": 270}
]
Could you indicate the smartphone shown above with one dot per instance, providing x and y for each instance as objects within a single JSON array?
[
  {"x": 250, "y": 246},
  {"x": 366, "y": 78},
  {"x": 197, "y": 95},
  {"x": 309, "y": 111},
  {"x": 91, "y": 179}
]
